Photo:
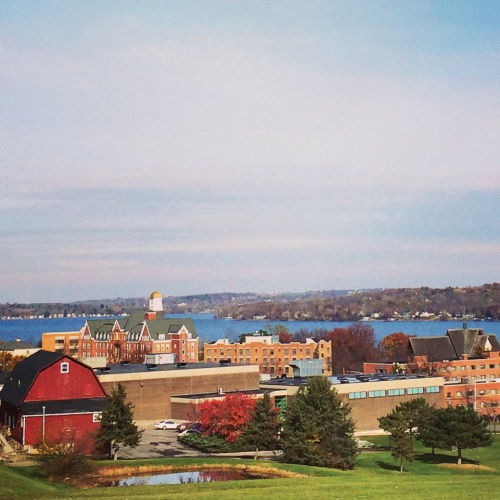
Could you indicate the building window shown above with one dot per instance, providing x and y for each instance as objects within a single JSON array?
[
  {"x": 454, "y": 379},
  {"x": 415, "y": 390},
  {"x": 376, "y": 394},
  {"x": 448, "y": 395},
  {"x": 96, "y": 417},
  {"x": 458, "y": 394},
  {"x": 482, "y": 367},
  {"x": 493, "y": 392},
  {"x": 463, "y": 368},
  {"x": 473, "y": 367},
  {"x": 432, "y": 389},
  {"x": 65, "y": 367},
  {"x": 396, "y": 392},
  {"x": 357, "y": 395},
  {"x": 492, "y": 366}
]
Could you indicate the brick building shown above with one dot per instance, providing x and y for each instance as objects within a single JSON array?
[
  {"x": 130, "y": 338},
  {"x": 273, "y": 357},
  {"x": 467, "y": 359},
  {"x": 152, "y": 389}
]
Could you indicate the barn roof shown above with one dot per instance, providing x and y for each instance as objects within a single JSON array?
[{"x": 23, "y": 374}]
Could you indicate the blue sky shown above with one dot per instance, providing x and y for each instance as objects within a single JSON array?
[{"x": 196, "y": 147}]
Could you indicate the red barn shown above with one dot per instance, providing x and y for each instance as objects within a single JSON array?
[{"x": 50, "y": 397}]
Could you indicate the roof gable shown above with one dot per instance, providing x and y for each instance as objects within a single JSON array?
[
  {"x": 170, "y": 325},
  {"x": 24, "y": 373}
]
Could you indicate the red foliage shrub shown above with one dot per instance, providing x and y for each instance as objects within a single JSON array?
[{"x": 226, "y": 418}]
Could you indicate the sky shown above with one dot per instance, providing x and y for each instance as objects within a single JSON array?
[{"x": 268, "y": 146}]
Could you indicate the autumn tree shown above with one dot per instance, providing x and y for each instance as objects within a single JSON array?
[
  {"x": 351, "y": 347},
  {"x": 8, "y": 361},
  {"x": 318, "y": 429},
  {"x": 285, "y": 337},
  {"x": 395, "y": 347},
  {"x": 117, "y": 424},
  {"x": 262, "y": 432},
  {"x": 226, "y": 418}
]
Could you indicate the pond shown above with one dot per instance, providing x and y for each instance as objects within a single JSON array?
[{"x": 184, "y": 477}]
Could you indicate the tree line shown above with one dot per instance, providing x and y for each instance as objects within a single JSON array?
[{"x": 481, "y": 302}]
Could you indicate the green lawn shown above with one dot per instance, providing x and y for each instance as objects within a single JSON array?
[{"x": 376, "y": 476}]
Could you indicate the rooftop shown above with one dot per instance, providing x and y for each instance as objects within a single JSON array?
[
  {"x": 211, "y": 395},
  {"x": 143, "y": 368},
  {"x": 347, "y": 379}
]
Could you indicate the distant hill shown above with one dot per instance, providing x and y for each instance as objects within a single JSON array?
[
  {"x": 480, "y": 302},
  {"x": 207, "y": 302}
]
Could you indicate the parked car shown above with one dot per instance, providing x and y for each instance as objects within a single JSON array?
[
  {"x": 188, "y": 431},
  {"x": 189, "y": 425},
  {"x": 166, "y": 424},
  {"x": 184, "y": 426}
]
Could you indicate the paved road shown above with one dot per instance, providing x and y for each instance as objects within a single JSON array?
[{"x": 159, "y": 444}]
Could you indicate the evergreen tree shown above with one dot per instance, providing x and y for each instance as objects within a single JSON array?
[
  {"x": 263, "y": 430},
  {"x": 117, "y": 423},
  {"x": 403, "y": 422},
  {"x": 318, "y": 429},
  {"x": 428, "y": 434},
  {"x": 407, "y": 417},
  {"x": 460, "y": 428},
  {"x": 402, "y": 448}
]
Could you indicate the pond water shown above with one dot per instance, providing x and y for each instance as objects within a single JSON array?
[{"x": 184, "y": 477}]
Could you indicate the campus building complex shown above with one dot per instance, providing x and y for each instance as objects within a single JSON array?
[
  {"x": 467, "y": 359},
  {"x": 130, "y": 338},
  {"x": 273, "y": 357},
  {"x": 371, "y": 397}
]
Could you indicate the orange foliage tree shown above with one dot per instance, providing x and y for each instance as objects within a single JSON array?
[
  {"x": 226, "y": 418},
  {"x": 395, "y": 347},
  {"x": 8, "y": 361}
]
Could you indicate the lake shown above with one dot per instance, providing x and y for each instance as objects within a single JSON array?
[{"x": 210, "y": 328}]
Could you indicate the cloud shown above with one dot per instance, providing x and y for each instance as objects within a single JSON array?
[{"x": 253, "y": 152}]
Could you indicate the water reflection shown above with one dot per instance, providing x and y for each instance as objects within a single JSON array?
[{"x": 186, "y": 477}]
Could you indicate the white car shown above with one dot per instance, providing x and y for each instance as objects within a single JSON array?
[{"x": 166, "y": 424}]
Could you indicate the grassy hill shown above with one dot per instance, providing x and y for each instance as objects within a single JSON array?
[{"x": 376, "y": 476}]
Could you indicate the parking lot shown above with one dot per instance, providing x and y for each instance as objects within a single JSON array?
[{"x": 158, "y": 444}]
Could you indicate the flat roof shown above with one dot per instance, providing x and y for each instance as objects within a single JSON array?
[
  {"x": 143, "y": 368},
  {"x": 210, "y": 395},
  {"x": 348, "y": 379}
]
